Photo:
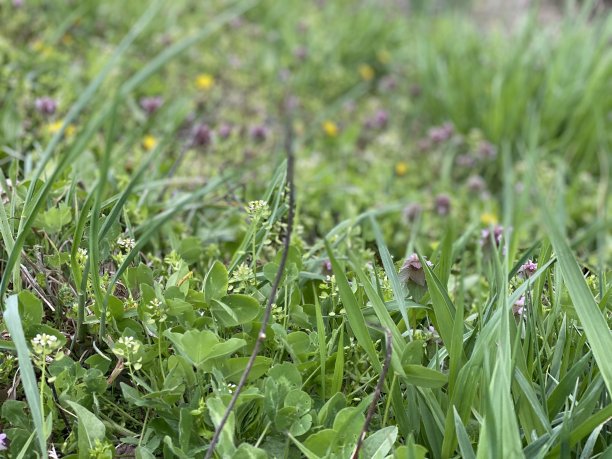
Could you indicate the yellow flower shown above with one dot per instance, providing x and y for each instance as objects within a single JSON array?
[
  {"x": 330, "y": 128},
  {"x": 55, "y": 126},
  {"x": 204, "y": 81},
  {"x": 401, "y": 169},
  {"x": 149, "y": 142},
  {"x": 488, "y": 219},
  {"x": 366, "y": 72},
  {"x": 52, "y": 128}
]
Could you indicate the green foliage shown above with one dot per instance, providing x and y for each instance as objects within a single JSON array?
[{"x": 140, "y": 242}]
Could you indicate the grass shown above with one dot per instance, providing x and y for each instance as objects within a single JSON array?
[{"x": 451, "y": 224}]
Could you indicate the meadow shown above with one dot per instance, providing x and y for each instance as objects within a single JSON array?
[{"x": 281, "y": 229}]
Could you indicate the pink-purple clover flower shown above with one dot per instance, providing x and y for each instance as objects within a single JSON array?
[
  {"x": 527, "y": 270},
  {"x": 443, "y": 204},
  {"x": 151, "y": 104},
  {"x": 518, "y": 308},
  {"x": 412, "y": 270},
  {"x": 46, "y": 105}
]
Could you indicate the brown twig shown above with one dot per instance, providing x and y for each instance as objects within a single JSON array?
[
  {"x": 277, "y": 280},
  {"x": 377, "y": 392}
]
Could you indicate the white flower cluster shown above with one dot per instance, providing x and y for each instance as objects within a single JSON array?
[
  {"x": 126, "y": 243},
  {"x": 44, "y": 344},
  {"x": 258, "y": 210}
]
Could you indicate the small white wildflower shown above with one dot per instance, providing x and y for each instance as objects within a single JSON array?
[
  {"x": 44, "y": 344},
  {"x": 259, "y": 210},
  {"x": 126, "y": 243}
]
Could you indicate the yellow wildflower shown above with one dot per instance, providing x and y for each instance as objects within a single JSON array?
[
  {"x": 204, "y": 81},
  {"x": 55, "y": 126},
  {"x": 488, "y": 219},
  {"x": 367, "y": 72},
  {"x": 401, "y": 169},
  {"x": 330, "y": 128},
  {"x": 52, "y": 128},
  {"x": 149, "y": 142}
]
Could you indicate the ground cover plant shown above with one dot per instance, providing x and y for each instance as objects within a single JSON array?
[{"x": 280, "y": 229}]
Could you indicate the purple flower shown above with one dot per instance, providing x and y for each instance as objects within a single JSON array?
[
  {"x": 412, "y": 212},
  {"x": 486, "y": 150},
  {"x": 476, "y": 184},
  {"x": 518, "y": 308},
  {"x": 45, "y": 105},
  {"x": 387, "y": 83},
  {"x": 465, "y": 161},
  {"x": 259, "y": 133},
  {"x": 439, "y": 134},
  {"x": 381, "y": 118},
  {"x": 378, "y": 121},
  {"x": 3, "y": 445},
  {"x": 151, "y": 104},
  {"x": 224, "y": 131},
  {"x": 412, "y": 270},
  {"x": 443, "y": 204},
  {"x": 300, "y": 53},
  {"x": 201, "y": 135},
  {"x": 327, "y": 267},
  {"x": 527, "y": 270},
  {"x": 485, "y": 236}
]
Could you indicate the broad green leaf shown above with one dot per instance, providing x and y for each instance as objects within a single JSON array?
[
  {"x": 320, "y": 442},
  {"x": 234, "y": 310},
  {"x": 90, "y": 429},
  {"x": 378, "y": 444},
  {"x": 215, "y": 284},
  {"x": 30, "y": 308},
  {"x": 424, "y": 377},
  {"x": 54, "y": 219},
  {"x": 190, "y": 249},
  {"x": 233, "y": 368},
  {"x": 247, "y": 451}
]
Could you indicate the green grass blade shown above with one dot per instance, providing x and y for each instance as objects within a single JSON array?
[
  {"x": 396, "y": 285},
  {"x": 443, "y": 307},
  {"x": 322, "y": 343},
  {"x": 592, "y": 319},
  {"x": 90, "y": 91},
  {"x": 353, "y": 311},
  {"x": 28, "y": 378},
  {"x": 465, "y": 446}
]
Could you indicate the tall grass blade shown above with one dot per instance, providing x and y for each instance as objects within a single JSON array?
[{"x": 28, "y": 378}]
